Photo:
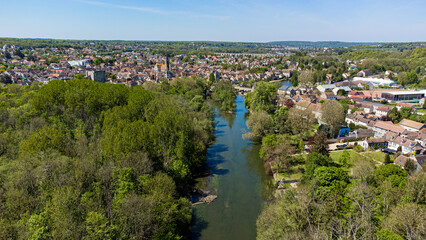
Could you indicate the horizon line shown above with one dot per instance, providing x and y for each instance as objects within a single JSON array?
[{"x": 263, "y": 42}]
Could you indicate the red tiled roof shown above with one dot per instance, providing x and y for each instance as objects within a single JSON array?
[
  {"x": 388, "y": 125},
  {"x": 383, "y": 109}
]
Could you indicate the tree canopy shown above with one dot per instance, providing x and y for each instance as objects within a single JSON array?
[{"x": 86, "y": 160}]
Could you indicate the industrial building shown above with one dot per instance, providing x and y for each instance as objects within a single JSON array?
[{"x": 406, "y": 96}]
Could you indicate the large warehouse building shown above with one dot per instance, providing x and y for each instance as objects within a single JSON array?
[{"x": 406, "y": 96}]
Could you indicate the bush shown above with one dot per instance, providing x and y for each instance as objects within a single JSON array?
[{"x": 358, "y": 148}]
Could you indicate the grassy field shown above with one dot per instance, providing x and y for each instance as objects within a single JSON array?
[
  {"x": 354, "y": 156},
  {"x": 355, "y": 159},
  {"x": 293, "y": 174},
  {"x": 378, "y": 156}
]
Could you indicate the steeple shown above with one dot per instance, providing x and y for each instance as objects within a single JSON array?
[{"x": 167, "y": 64}]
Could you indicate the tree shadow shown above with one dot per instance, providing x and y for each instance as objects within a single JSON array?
[
  {"x": 255, "y": 165},
  {"x": 215, "y": 149},
  {"x": 229, "y": 117},
  {"x": 214, "y": 159},
  {"x": 198, "y": 225},
  {"x": 218, "y": 133}
]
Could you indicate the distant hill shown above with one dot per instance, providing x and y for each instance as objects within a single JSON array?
[{"x": 322, "y": 44}]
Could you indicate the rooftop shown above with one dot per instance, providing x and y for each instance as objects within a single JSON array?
[
  {"x": 405, "y": 92},
  {"x": 411, "y": 124}
]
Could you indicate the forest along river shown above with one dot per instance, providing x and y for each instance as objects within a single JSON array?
[{"x": 238, "y": 179}]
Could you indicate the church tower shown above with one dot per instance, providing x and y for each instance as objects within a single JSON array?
[{"x": 167, "y": 64}]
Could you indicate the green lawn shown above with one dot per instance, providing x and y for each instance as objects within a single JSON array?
[
  {"x": 354, "y": 156},
  {"x": 378, "y": 156},
  {"x": 421, "y": 110},
  {"x": 293, "y": 174}
]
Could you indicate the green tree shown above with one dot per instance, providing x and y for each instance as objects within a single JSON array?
[
  {"x": 224, "y": 93},
  {"x": 6, "y": 79},
  {"x": 260, "y": 124},
  {"x": 385, "y": 234},
  {"x": 300, "y": 121},
  {"x": 406, "y": 220},
  {"x": 344, "y": 158},
  {"x": 212, "y": 79},
  {"x": 410, "y": 78},
  {"x": 7, "y": 55},
  {"x": 281, "y": 116},
  {"x": 410, "y": 166},
  {"x": 306, "y": 78},
  {"x": 98, "y": 227},
  {"x": 318, "y": 143},
  {"x": 97, "y": 61},
  {"x": 395, "y": 115},
  {"x": 19, "y": 54},
  {"x": 314, "y": 161},
  {"x": 319, "y": 76},
  {"x": 301, "y": 146},
  {"x": 405, "y": 112},
  {"x": 333, "y": 115},
  {"x": 341, "y": 92},
  {"x": 330, "y": 180},
  {"x": 263, "y": 97},
  {"x": 387, "y": 159}
]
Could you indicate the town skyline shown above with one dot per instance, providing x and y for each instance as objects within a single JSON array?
[{"x": 219, "y": 21}]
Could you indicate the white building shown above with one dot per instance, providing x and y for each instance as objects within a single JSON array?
[
  {"x": 346, "y": 88},
  {"x": 79, "y": 63},
  {"x": 326, "y": 87},
  {"x": 376, "y": 81}
]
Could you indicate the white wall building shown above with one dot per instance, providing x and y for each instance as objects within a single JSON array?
[{"x": 376, "y": 81}]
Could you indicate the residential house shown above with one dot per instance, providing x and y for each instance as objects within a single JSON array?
[
  {"x": 375, "y": 143},
  {"x": 407, "y": 145},
  {"x": 421, "y": 138},
  {"x": 316, "y": 110},
  {"x": 361, "y": 119},
  {"x": 283, "y": 89},
  {"x": 368, "y": 108},
  {"x": 382, "y": 127},
  {"x": 411, "y": 126},
  {"x": 405, "y": 105},
  {"x": 364, "y": 73},
  {"x": 421, "y": 159},
  {"x": 355, "y": 93},
  {"x": 363, "y": 85},
  {"x": 346, "y": 75},
  {"x": 344, "y": 131},
  {"x": 382, "y": 111},
  {"x": 401, "y": 160},
  {"x": 326, "y": 87},
  {"x": 328, "y": 95}
]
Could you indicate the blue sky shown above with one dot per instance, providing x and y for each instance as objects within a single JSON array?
[{"x": 216, "y": 20}]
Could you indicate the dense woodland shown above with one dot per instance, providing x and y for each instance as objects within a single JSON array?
[
  {"x": 172, "y": 48},
  {"x": 85, "y": 160}
]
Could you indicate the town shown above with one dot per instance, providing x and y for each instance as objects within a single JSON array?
[
  {"x": 152, "y": 123},
  {"x": 373, "y": 99}
]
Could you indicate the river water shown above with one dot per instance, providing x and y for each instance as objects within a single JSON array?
[{"x": 238, "y": 179}]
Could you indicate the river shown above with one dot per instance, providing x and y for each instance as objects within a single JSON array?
[{"x": 238, "y": 179}]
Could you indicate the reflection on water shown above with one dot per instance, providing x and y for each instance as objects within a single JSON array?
[{"x": 239, "y": 180}]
